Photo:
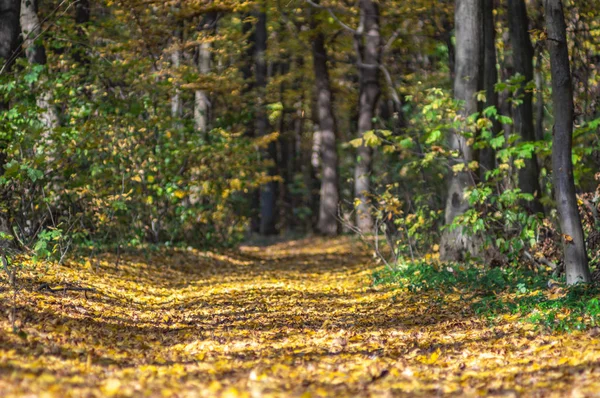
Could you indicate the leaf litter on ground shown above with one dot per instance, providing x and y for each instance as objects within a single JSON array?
[{"x": 298, "y": 318}]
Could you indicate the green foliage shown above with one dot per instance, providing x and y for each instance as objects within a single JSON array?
[
  {"x": 118, "y": 167},
  {"x": 47, "y": 243},
  {"x": 498, "y": 293}
]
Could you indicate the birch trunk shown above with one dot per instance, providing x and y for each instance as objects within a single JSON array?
[{"x": 202, "y": 102}]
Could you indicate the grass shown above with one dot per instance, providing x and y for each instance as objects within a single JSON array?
[{"x": 502, "y": 293}]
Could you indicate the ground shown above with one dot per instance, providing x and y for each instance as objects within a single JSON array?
[{"x": 298, "y": 318}]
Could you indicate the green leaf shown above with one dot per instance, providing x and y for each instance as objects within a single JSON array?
[{"x": 433, "y": 137}]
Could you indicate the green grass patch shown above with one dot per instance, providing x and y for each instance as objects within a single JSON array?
[{"x": 500, "y": 293}]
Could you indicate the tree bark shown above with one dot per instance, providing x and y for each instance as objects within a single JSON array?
[
  {"x": 202, "y": 102},
  {"x": 268, "y": 192},
  {"x": 247, "y": 70},
  {"x": 487, "y": 156},
  {"x": 369, "y": 56},
  {"x": 523, "y": 113},
  {"x": 539, "y": 103},
  {"x": 9, "y": 42},
  {"x": 456, "y": 243},
  {"x": 574, "y": 252},
  {"x": 9, "y": 33},
  {"x": 328, "y": 203},
  {"x": 82, "y": 17},
  {"x": 176, "y": 105},
  {"x": 31, "y": 29},
  {"x": 36, "y": 55}
]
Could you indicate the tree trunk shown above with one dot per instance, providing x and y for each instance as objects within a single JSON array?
[
  {"x": 9, "y": 42},
  {"x": 176, "y": 106},
  {"x": 487, "y": 156},
  {"x": 82, "y": 16},
  {"x": 9, "y": 33},
  {"x": 268, "y": 192},
  {"x": 36, "y": 55},
  {"x": 328, "y": 204},
  {"x": 539, "y": 103},
  {"x": 247, "y": 69},
  {"x": 523, "y": 113},
  {"x": 456, "y": 243},
  {"x": 574, "y": 254},
  {"x": 201, "y": 97},
  {"x": 369, "y": 54}
]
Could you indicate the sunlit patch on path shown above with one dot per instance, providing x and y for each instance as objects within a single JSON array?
[{"x": 292, "y": 319}]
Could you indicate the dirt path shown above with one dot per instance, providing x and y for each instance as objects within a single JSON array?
[{"x": 293, "y": 319}]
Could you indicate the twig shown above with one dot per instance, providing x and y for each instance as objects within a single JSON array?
[
  {"x": 362, "y": 237},
  {"x": 541, "y": 261},
  {"x": 46, "y": 286},
  {"x": 339, "y": 21}
]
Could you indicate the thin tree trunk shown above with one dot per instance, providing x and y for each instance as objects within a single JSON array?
[
  {"x": 447, "y": 29},
  {"x": 456, "y": 243},
  {"x": 523, "y": 113},
  {"x": 369, "y": 53},
  {"x": 539, "y": 103},
  {"x": 268, "y": 192},
  {"x": 285, "y": 150},
  {"x": 176, "y": 106},
  {"x": 487, "y": 156},
  {"x": 36, "y": 55},
  {"x": 301, "y": 159},
  {"x": 202, "y": 103},
  {"x": 82, "y": 17},
  {"x": 329, "y": 197},
  {"x": 250, "y": 127},
  {"x": 574, "y": 253}
]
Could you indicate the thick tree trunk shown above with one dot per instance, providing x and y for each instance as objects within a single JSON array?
[
  {"x": 268, "y": 192},
  {"x": 36, "y": 55},
  {"x": 9, "y": 33},
  {"x": 487, "y": 156},
  {"x": 329, "y": 197},
  {"x": 574, "y": 255},
  {"x": 369, "y": 53},
  {"x": 456, "y": 243},
  {"x": 201, "y": 97},
  {"x": 523, "y": 113},
  {"x": 30, "y": 29},
  {"x": 9, "y": 41}
]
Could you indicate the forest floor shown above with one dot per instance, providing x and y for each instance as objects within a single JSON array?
[{"x": 299, "y": 318}]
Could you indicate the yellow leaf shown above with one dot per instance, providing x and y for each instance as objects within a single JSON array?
[
  {"x": 458, "y": 167},
  {"x": 356, "y": 142},
  {"x": 111, "y": 387}
]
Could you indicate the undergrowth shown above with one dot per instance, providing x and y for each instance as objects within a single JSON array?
[{"x": 502, "y": 293}]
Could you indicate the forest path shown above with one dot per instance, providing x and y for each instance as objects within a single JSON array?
[{"x": 297, "y": 318}]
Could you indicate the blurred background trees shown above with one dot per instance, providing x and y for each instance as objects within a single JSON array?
[{"x": 426, "y": 127}]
